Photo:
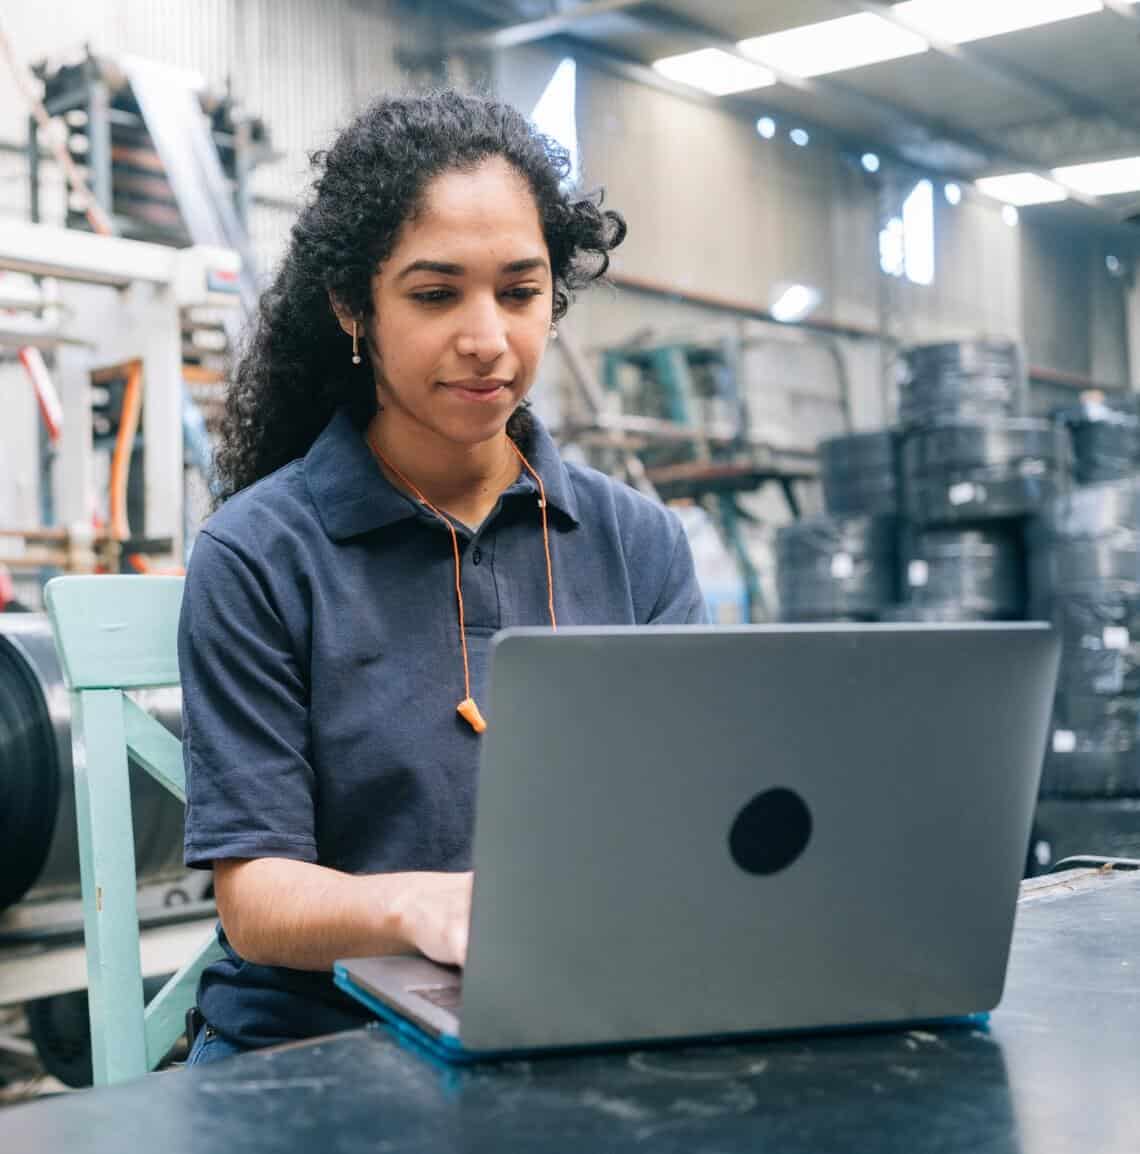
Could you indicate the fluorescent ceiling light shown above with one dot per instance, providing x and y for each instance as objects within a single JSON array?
[
  {"x": 1021, "y": 188},
  {"x": 793, "y": 302},
  {"x": 714, "y": 71},
  {"x": 960, "y": 21},
  {"x": 834, "y": 45},
  {"x": 1104, "y": 178}
]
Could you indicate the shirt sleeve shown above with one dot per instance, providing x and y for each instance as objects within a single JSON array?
[
  {"x": 250, "y": 788},
  {"x": 680, "y": 601}
]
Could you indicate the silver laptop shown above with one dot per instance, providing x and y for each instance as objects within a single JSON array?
[{"x": 706, "y": 832}]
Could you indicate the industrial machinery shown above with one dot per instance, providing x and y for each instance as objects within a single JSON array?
[
  {"x": 112, "y": 311},
  {"x": 101, "y": 486},
  {"x": 679, "y": 408},
  {"x": 116, "y": 350}
]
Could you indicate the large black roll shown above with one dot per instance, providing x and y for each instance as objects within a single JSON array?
[
  {"x": 836, "y": 568},
  {"x": 860, "y": 473},
  {"x": 961, "y": 380},
  {"x": 38, "y": 838},
  {"x": 1105, "y": 440},
  {"x": 1085, "y": 577},
  {"x": 943, "y": 614},
  {"x": 1092, "y": 749},
  {"x": 29, "y": 772},
  {"x": 1071, "y": 827},
  {"x": 969, "y": 471},
  {"x": 1100, "y": 642},
  {"x": 965, "y": 574},
  {"x": 1086, "y": 543}
]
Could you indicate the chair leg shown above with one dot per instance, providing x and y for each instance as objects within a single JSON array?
[{"x": 107, "y": 874}]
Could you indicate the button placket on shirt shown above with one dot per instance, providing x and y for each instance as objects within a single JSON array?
[{"x": 480, "y": 594}]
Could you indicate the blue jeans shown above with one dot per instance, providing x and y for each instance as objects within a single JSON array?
[{"x": 210, "y": 1046}]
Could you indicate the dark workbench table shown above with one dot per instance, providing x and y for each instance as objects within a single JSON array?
[{"x": 1057, "y": 1069}]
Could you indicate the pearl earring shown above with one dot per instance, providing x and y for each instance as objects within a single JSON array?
[
  {"x": 355, "y": 346},
  {"x": 554, "y": 332}
]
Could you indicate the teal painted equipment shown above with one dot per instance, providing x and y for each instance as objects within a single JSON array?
[
  {"x": 698, "y": 442},
  {"x": 115, "y": 634}
]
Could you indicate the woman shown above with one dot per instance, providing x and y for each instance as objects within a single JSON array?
[{"x": 389, "y": 502}]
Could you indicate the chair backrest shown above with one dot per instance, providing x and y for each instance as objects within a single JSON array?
[
  {"x": 116, "y": 632},
  {"x": 113, "y": 634}
]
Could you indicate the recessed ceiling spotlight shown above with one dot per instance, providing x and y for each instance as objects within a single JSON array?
[
  {"x": 953, "y": 193},
  {"x": 799, "y": 136},
  {"x": 766, "y": 127},
  {"x": 1112, "y": 263},
  {"x": 869, "y": 161}
]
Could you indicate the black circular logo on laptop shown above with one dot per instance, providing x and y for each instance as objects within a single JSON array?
[{"x": 770, "y": 832}]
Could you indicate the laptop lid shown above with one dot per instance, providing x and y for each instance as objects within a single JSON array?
[{"x": 703, "y": 831}]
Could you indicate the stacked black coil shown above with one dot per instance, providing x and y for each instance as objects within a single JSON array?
[
  {"x": 1105, "y": 440},
  {"x": 29, "y": 773},
  {"x": 1085, "y": 574},
  {"x": 952, "y": 574},
  {"x": 39, "y": 845},
  {"x": 860, "y": 473},
  {"x": 1070, "y": 826},
  {"x": 976, "y": 481},
  {"x": 836, "y": 568},
  {"x": 963, "y": 472},
  {"x": 961, "y": 381}
]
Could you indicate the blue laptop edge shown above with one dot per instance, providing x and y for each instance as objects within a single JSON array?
[{"x": 449, "y": 1049}]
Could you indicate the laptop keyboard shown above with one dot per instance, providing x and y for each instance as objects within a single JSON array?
[{"x": 445, "y": 997}]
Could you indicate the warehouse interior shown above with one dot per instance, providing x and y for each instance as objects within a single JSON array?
[{"x": 873, "y": 336}]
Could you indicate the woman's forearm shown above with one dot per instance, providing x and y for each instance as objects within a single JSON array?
[{"x": 288, "y": 913}]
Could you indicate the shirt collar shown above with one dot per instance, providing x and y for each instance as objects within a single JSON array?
[{"x": 353, "y": 496}]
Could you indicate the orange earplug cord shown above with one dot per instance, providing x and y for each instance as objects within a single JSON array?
[{"x": 467, "y": 709}]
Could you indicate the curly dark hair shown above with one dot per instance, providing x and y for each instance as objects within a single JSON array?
[{"x": 294, "y": 372}]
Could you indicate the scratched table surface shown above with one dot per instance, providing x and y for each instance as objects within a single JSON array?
[{"x": 1056, "y": 1069}]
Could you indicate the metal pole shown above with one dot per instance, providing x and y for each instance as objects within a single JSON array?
[
  {"x": 99, "y": 143},
  {"x": 33, "y": 171}
]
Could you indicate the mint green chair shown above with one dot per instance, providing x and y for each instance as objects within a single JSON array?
[{"x": 115, "y": 634}]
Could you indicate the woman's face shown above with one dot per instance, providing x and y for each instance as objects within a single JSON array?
[{"x": 462, "y": 306}]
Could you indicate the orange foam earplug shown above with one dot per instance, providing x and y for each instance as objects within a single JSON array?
[{"x": 469, "y": 711}]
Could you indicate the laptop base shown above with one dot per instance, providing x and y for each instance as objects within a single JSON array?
[{"x": 448, "y": 1049}]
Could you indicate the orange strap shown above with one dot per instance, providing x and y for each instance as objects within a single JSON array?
[{"x": 467, "y": 708}]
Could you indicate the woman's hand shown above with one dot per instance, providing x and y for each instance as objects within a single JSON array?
[
  {"x": 278, "y": 912},
  {"x": 434, "y": 910}
]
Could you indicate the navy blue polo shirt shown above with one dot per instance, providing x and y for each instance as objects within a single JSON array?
[{"x": 321, "y": 667}]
